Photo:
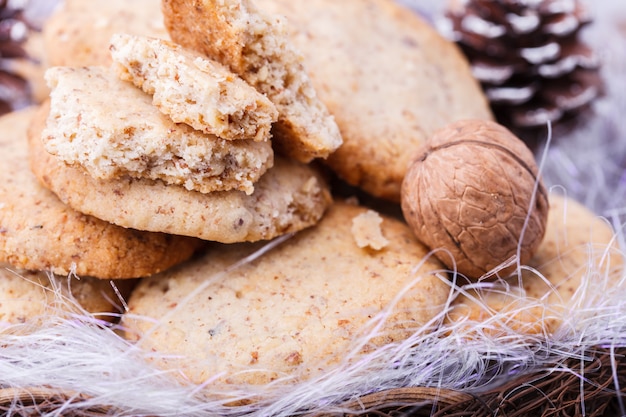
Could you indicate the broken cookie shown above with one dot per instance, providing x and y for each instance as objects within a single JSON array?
[
  {"x": 255, "y": 45},
  {"x": 111, "y": 129},
  {"x": 192, "y": 89}
]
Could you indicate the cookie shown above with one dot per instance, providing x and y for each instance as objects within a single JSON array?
[
  {"x": 28, "y": 295},
  {"x": 111, "y": 129},
  {"x": 193, "y": 90},
  {"x": 78, "y": 33},
  {"x": 296, "y": 311},
  {"x": 39, "y": 232},
  {"x": 254, "y": 45},
  {"x": 389, "y": 79},
  {"x": 578, "y": 253},
  {"x": 289, "y": 197}
]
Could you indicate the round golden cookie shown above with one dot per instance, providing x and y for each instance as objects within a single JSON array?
[
  {"x": 39, "y": 232},
  {"x": 578, "y": 256},
  {"x": 289, "y": 197},
  {"x": 389, "y": 79},
  {"x": 297, "y": 310},
  {"x": 79, "y": 31},
  {"x": 29, "y": 295}
]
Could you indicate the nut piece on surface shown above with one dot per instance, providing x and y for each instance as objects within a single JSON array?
[
  {"x": 367, "y": 232},
  {"x": 470, "y": 191}
]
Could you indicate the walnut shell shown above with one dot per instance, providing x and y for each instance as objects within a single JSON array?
[{"x": 469, "y": 190}]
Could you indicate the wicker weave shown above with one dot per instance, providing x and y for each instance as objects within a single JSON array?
[
  {"x": 36, "y": 401},
  {"x": 548, "y": 393}
]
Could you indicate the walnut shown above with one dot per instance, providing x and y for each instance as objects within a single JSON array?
[{"x": 470, "y": 191}]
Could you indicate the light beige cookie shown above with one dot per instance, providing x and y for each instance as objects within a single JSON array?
[
  {"x": 39, "y": 232},
  {"x": 389, "y": 79},
  {"x": 28, "y": 295},
  {"x": 579, "y": 255},
  {"x": 192, "y": 89},
  {"x": 255, "y": 45},
  {"x": 78, "y": 33},
  {"x": 295, "y": 312},
  {"x": 111, "y": 129},
  {"x": 289, "y": 197}
]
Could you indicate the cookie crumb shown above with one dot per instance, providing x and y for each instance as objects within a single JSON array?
[{"x": 366, "y": 230}]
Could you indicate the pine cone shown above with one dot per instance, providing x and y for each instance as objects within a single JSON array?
[
  {"x": 14, "y": 89},
  {"x": 528, "y": 56}
]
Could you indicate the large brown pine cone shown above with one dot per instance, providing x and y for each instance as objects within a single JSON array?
[{"x": 529, "y": 57}]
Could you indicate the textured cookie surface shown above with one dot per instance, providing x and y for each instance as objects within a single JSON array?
[
  {"x": 192, "y": 89},
  {"x": 39, "y": 232},
  {"x": 255, "y": 45},
  {"x": 111, "y": 129},
  {"x": 78, "y": 33},
  {"x": 578, "y": 255},
  {"x": 289, "y": 197},
  {"x": 295, "y": 311},
  {"x": 28, "y": 295},
  {"x": 389, "y": 79}
]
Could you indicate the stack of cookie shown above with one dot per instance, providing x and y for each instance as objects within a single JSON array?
[
  {"x": 182, "y": 148},
  {"x": 142, "y": 161}
]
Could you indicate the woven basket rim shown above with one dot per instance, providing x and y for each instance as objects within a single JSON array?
[{"x": 602, "y": 392}]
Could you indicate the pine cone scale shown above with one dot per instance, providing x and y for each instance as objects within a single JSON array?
[
  {"x": 555, "y": 7},
  {"x": 477, "y": 26},
  {"x": 493, "y": 72},
  {"x": 562, "y": 25},
  {"x": 542, "y": 53},
  {"x": 581, "y": 88},
  {"x": 511, "y": 95},
  {"x": 12, "y": 89},
  {"x": 572, "y": 57},
  {"x": 524, "y": 24},
  {"x": 12, "y": 30}
]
